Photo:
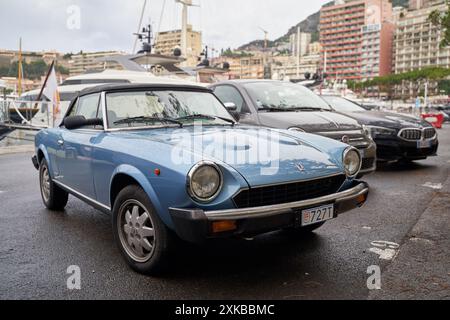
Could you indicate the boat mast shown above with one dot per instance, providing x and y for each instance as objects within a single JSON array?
[
  {"x": 20, "y": 70},
  {"x": 184, "y": 25}
]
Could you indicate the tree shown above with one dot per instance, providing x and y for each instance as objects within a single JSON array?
[{"x": 442, "y": 20}]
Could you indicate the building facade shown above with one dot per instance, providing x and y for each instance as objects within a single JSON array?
[
  {"x": 356, "y": 39},
  {"x": 250, "y": 66},
  {"x": 285, "y": 68},
  {"x": 88, "y": 61},
  {"x": 417, "y": 41},
  {"x": 167, "y": 41},
  {"x": 300, "y": 43}
]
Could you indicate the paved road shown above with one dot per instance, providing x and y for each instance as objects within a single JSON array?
[{"x": 37, "y": 246}]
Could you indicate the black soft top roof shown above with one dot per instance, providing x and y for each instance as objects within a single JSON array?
[{"x": 141, "y": 86}]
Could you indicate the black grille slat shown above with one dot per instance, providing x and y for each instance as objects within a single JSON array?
[
  {"x": 286, "y": 193},
  {"x": 367, "y": 163},
  {"x": 412, "y": 134},
  {"x": 429, "y": 133}
]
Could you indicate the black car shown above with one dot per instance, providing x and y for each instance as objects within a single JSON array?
[
  {"x": 398, "y": 137},
  {"x": 285, "y": 105}
]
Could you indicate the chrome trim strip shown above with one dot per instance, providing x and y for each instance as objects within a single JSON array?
[
  {"x": 267, "y": 211},
  {"x": 73, "y": 191},
  {"x": 105, "y": 114}
]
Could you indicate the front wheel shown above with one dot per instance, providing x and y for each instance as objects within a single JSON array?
[
  {"x": 142, "y": 237},
  {"x": 54, "y": 197}
]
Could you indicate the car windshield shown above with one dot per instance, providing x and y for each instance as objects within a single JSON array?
[
  {"x": 164, "y": 107},
  {"x": 343, "y": 105},
  {"x": 280, "y": 96}
]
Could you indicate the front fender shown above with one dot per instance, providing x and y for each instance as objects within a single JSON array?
[
  {"x": 145, "y": 184},
  {"x": 44, "y": 151}
]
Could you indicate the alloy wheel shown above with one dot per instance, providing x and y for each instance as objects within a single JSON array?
[{"x": 136, "y": 231}]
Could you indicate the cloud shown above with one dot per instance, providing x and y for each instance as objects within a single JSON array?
[{"x": 109, "y": 25}]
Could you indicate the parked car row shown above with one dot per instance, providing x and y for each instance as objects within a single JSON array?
[
  {"x": 379, "y": 136},
  {"x": 168, "y": 160}
]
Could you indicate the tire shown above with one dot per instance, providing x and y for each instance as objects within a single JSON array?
[
  {"x": 54, "y": 197},
  {"x": 142, "y": 237}
]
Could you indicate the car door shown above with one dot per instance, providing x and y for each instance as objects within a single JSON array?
[
  {"x": 75, "y": 162},
  {"x": 227, "y": 93}
]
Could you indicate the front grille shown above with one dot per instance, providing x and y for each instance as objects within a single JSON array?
[
  {"x": 286, "y": 193},
  {"x": 429, "y": 133},
  {"x": 411, "y": 134},
  {"x": 417, "y": 134},
  {"x": 367, "y": 163}
]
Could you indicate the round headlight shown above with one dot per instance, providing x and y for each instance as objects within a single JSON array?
[
  {"x": 204, "y": 181},
  {"x": 352, "y": 162}
]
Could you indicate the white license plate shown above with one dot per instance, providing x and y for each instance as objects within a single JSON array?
[
  {"x": 317, "y": 215},
  {"x": 423, "y": 144}
]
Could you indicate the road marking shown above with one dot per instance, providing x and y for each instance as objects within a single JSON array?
[
  {"x": 367, "y": 228},
  {"x": 2, "y": 191},
  {"x": 414, "y": 239},
  {"x": 431, "y": 185},
  {"x": 386, "y": 250}
]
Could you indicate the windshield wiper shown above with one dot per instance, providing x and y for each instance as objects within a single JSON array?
[
  {"x": 205, "y": 117},
  {"x": 290, "y": 109},
  {"x": 147, "y": 120}
]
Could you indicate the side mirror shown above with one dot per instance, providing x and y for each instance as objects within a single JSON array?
[
  {"x": 76, "y": 122},
  {"x": 230, "y": 106},
  {"x": 232, "y": 109}
]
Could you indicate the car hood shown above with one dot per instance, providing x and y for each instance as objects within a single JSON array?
[
  {"x": 388, "y": 120},
  {"x": 261, "y": 156},
  {"x": 309, "y": 121}
]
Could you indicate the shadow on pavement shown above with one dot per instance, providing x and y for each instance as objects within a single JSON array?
[{"x": 402, "y": 166}]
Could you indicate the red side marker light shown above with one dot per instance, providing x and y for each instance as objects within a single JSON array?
[{"x": 157, "y": 172}]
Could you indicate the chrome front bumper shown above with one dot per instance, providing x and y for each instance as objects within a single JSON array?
[{"x": 195, "y": 224}]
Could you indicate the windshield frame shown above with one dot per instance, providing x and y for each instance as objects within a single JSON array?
[
  {"x": 272, "y": 82},
  {"x": 108, "y": 128}
]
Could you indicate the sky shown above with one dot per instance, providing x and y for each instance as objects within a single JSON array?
[{"x": 96, "y": 25}]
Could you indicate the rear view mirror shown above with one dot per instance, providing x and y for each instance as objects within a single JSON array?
[{"x": 76, "y": 122}]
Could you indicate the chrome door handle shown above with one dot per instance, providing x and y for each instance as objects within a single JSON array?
[{"x": 61, "y": 142}]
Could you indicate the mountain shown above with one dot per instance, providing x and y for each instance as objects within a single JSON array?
[{"x": 310, "y": 25}]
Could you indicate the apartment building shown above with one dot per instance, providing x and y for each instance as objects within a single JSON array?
[
  {"x": 167, "y": 41},
  {"x": 314, "y": 48},
  {"x": 417, "y": 41},
  {"x": 300, "y": 43},
  {"x": 88, "y": 61},
  {"x": 356, "y": 39},
  {"x": 285, "y": 67},
  {"x": 249, "y": 66}
]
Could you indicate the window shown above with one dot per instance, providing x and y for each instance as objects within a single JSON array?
[
  {"x": 162, "y": 107},
  {"x": 342, "y": 105},
  {"x": 281, "y": 95},
  {"x": 88, "y": 106},
  {"x": 228, "y": 94}
]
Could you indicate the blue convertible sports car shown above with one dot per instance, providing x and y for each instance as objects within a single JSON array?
[{"x": 167, "y": 160}]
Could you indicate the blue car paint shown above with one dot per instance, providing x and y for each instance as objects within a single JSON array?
[{"x": 95, "y": 157}]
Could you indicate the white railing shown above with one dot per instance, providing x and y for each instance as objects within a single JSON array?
[{"x": 29, "y": 114}]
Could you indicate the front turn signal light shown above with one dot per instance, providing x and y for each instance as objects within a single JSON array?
[{"x": 223, "y": 226}]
